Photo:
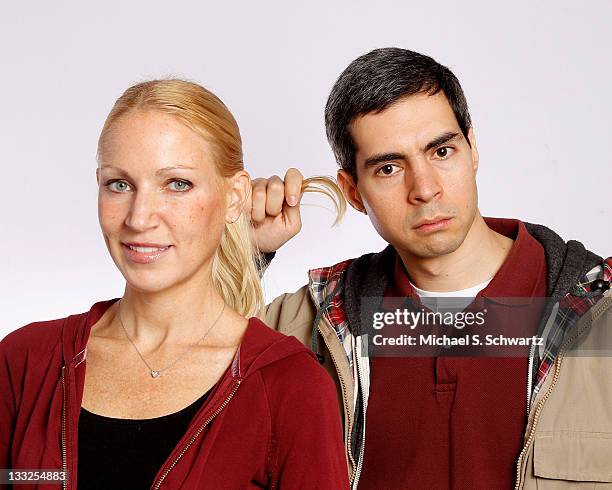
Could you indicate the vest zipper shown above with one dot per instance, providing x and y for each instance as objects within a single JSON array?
[
  {"x": 346, "y": 407},
  {"x": 530, "y": 376},
  {"x": 342, "y": 387},
  {"x": 197, "y": 434},
  {"x": 541, "y": 403}
]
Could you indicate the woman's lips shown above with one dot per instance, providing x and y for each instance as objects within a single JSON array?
[
  {"x": 144, "y": 255},
  {"x": 431, "y": 227}
]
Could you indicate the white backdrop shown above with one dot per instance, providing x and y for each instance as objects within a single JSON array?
[{"x": 536, "y": 75}]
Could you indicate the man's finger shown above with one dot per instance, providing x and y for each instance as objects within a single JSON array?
[
  {"x": 258, "y": 200},
  {"x": 293, "y": 218},
  {"x": 248, "y": 204},
  {"x": 293, "y": 186},
  {"x": 275, "y": 195}
]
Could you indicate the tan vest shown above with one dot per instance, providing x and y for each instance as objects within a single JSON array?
[
  {"x": 568, "y": 439},
  {"x": 568, "y": 442}
]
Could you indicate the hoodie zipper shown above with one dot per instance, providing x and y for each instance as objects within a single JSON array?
[
  {"x": 541, "y": 403},
  {"x": 345, "y": 404},
  {"x": 64, "y": 449},
  {"x": 197, "y": 434}
]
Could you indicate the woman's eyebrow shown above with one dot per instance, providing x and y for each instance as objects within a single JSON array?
[
  {"x": 157, "y": 172},
  {"x": 118, "y": 169},
  {"x": 174, "y": 167}
]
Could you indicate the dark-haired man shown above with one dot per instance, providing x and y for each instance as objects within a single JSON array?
[{"x": 400, "y": 129}]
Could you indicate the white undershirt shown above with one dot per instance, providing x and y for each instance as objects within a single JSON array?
[
  {"x": 461, "y": 293},
  {"x": 463, "y": 296}
]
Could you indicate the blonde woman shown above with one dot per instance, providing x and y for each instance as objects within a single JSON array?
[{"x": 177, "y": 384}]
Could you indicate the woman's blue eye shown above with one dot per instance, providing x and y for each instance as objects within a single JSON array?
[
  {"x": 180, "y": 185},
  {"x": 118, "y": 185}
]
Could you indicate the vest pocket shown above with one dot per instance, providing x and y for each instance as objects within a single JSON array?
[{"x": 574, "y": 456}]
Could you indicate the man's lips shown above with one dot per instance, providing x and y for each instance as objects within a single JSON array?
[
  {"x": 433, "y": 224},
  {"x": 144, "y": 252}
]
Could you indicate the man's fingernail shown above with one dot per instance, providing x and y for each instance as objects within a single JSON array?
[{"x": 292, "y": 200}]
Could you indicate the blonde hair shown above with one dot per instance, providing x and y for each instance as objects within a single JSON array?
[{"x": 237, "y": 263}]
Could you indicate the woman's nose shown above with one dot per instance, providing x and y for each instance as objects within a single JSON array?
[{"x": 143, "y": 212}]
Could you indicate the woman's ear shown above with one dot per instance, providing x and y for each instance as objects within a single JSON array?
[{"x": 239, "y": 187}]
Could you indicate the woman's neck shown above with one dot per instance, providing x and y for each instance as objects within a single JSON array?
[{"x": 179, "y": 314}]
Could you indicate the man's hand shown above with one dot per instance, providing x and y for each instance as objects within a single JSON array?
[{"x": 274, "y": 208}]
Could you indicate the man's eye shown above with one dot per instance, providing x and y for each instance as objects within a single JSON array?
[
  {"x": 444, "y": 152},
  {"x": 388, "y": 169},
  {"x": 179, "y": 185},
  {"x": 118, "y": 185}
]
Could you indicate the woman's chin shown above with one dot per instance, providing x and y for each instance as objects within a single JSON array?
[
  {"x": 156, "y": 279},
  {"x": 152, "y": 284}
]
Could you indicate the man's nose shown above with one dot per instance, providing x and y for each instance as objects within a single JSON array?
[
  {"x": 144, "y": 209},
  {"x": 424, "y": 183}
]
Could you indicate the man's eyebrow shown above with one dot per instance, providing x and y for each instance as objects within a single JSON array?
[
  {"x": 440, "y": 140},
  {"x": 383, "y": 157},
  {"x": 387, "y": 157}
]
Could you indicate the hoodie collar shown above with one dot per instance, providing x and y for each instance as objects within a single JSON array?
[
  {"x": 259, "y": 347},
  {"x": 566, "y": 262},
  {"x": 76, "y": 332}
]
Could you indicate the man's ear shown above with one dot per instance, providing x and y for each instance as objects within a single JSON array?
[
  {"x": 350, "y": 191},
  {"x": 475, "y": 156},
  {"x": 98, "y": 175},
  {"x": 239, "y": 187}
]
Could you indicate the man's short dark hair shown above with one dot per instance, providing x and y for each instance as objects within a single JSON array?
[{"x": 373, "y": 82}]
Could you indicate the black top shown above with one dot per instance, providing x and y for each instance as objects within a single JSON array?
[{"x": 127, "y": 453}]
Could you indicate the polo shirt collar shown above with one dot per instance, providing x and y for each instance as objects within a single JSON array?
[{"x": 521, "y": 277}]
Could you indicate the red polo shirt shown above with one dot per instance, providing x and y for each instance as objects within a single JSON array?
[{"x": 453, "y": 422}]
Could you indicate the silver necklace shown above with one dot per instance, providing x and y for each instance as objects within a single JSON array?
[{"x": 155, "y": 373}]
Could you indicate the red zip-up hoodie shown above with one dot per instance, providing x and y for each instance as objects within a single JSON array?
[{"x": 271, "y": 421}]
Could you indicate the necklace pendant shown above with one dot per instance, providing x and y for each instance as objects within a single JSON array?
[{"x": 154, "y": 374}]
